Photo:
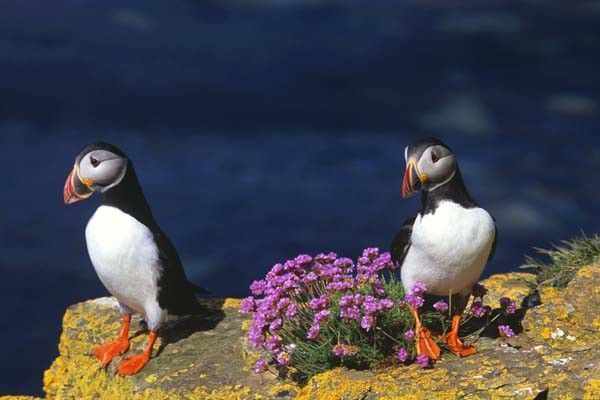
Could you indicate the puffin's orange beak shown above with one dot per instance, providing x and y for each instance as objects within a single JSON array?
[
  {"x": 412, "y": 181},
  {"x": 75, "y": 190}
]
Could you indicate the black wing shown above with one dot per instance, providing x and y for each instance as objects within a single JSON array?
[
  {"x": 401, "y": 242},
  {"x": 175, "y": 293},
  {"x": 493, "y": 250}
]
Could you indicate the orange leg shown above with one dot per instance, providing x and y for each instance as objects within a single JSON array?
[
  {"x": 455, "y": 345},
  {"x": 425, "y": 344},
  {"x": 107, "y": 351},
  {"x": 135, "y": 363}
]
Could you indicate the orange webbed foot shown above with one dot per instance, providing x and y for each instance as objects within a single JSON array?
[
  {"x": 426, "y": 345},
  {"x": 456, "y": 346},
  {"x": 133, "y": 364},
  {"x": 106, "y": 352}
]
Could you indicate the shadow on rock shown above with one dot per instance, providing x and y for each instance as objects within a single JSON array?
[
  {"x": 513, "y": 320},
  {"x": 178, "y": 328}
]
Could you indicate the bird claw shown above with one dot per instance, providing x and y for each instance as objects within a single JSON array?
[
  {"x": 133, "y": 364},
  {"x": 426, "y": 345},
  {"x": 106, "y": 352},
  {"x": 456, "y": 346}
]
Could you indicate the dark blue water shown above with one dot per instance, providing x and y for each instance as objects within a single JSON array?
[{"x": 264, "y": 129}]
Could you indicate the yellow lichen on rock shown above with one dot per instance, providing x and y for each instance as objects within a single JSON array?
[
  {"x": 19, "y": 398},
  {"x": 514, "y": 285},
  {"x": 410, "y": 383},
  {"x": 592, "y": 389},
  {"x": 232, "y": 303},
  {"x": 205, "y": 350}
]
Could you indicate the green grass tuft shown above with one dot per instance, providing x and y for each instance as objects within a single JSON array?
[{"x": 564, "y": 260}]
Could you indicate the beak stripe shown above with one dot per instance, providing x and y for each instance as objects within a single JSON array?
[{"x": 70, "y": 193}]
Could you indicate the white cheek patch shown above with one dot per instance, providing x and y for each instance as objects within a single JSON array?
[
  {"x": 109, "y": 170},
  {"x": 119, "y": 178}
]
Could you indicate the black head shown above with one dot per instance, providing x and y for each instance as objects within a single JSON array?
[
  {"x": 429, "y": 164},
  {"x": 98, "y": 167}
]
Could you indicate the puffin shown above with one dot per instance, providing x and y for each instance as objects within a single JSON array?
[
  {"x": 447, "y": 244},
  {"x": 134, "y": 259}
]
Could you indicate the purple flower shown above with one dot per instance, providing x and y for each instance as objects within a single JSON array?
[
  {"x": 415, "y": 301},
  {"x": 508, "y": 305},
  {"x": 341, "y": 285},
  {"x": 418, "y": 289},
  {"x": 370, "y": 305},
  {"x": 344, "y": 264},
  {"x": 313, "y": 332},
  {"x": 440, "y": 306},
  {"x": 378, "y": 288},
  {"x": 369, "y": 266},
  {"x": 320, "y": 316},
  {"x": 423, "y": 361},
  {"x": 258, "y": 287},
  {"x": 478, "y": 310},
  {"x": 344, "y": 350},
  {"x": 350, "y": 313},
  {"x": 505, "y": 331},
  {"x": 329, "y": 271},
  {"x": 275, "y": 325},
  {"x": 385, "y": 304},
  {"x": 358, "y": 299},
  {"x": 479, "y": 290},
  {"x": 284, "y": 358},
  {"x": 402, "y": 355},
  {"x": 347, "y": 300},
  {"x": 291, "y": 311},
  {"x": 310, "y": 277},
  {"x": 325, "y": 258},
  {"x": 303, "y": 259},
  {"x": 277, "y": 268},
  {"x": 261, "y": 366},
  {"x": 256, "y": 337},
  {"x": 274, "y": 344},
  {"x": 283, "y": 303},
  {"x": 319, "y": 303},
  {"x": 247, "y": 305},
  {"x": 367, "y": 322},
  {"x": 409, "y": 335},
  {"x": 371, "y": 253},
  {"x": 401, "y": 303}
]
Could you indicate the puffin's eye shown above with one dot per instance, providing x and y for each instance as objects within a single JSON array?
[
  {"x": 95, "y": 162},
  {"x": 434, "y": 157}
]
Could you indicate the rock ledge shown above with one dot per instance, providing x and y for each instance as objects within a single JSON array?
[{"x": 208, "y": 358}]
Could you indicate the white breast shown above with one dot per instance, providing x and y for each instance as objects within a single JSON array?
[
  {"x": 125, "y": 257},
  {"x": 449, "y": 249}
]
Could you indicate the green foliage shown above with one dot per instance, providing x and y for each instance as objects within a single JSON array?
[{"x": 564, "y": 260}]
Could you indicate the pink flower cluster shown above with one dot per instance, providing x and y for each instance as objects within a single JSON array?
[
  {"x": 313, "y": 281},
  {"x": 415, "y": 297},
  {"x": 303, "y": 301}
]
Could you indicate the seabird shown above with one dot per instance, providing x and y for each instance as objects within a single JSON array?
[
  {"x": 134, "y": 259},
  {"x": 447, "y": 244}
]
